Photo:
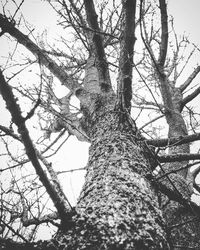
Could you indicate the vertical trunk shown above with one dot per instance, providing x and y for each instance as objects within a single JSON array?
[
  {"x": 183, "y": 235},
  {"x": 118, "y": 207},
  {"x": 172, "y": 98},
  {"x": 177, "y": 128}
]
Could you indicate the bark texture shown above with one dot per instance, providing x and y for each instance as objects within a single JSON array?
[
  {"x": 118, "y": 207},
  {"x": 181, "y": 223}
]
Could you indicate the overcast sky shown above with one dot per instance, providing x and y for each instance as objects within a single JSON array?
[{"x": 186, "y": 17}]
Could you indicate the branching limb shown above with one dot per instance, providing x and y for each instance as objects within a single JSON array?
[
  {"x": 127, "y": 41},
  {"x": 9, "y": 132},
  {"x": 145, "y": 39},
  {"x": 69, "y": 121},
  {"x": 7, "y": 94},
  {"x": 174, "y": 141},
  {"x": 164, "y": 33},
  {"x": 175, "y": 196},
  {"x": 189, "y": 98},
  {"x": 190, "y": 79},
  {"x": 194, "y": 174},
  {"x": 43, "y": 58},
  {"x": 151, "y": 121},
  {"x": 48, "y": 166},
  {"x": 97, "y": 45},
  {"x": 178, "y": 157},
  {"x": 44, "y": 219},
  {"x": 32, "y": 111},
  {"x": 196, "y": 171},
  {"x": 159, "y": 65}
]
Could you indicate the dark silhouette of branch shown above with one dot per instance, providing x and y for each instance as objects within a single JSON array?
[
  {"x": 173, "y": 141},
  {"x": 32, "y": 111},
  {"x": 159, "y": 65},
  {"x": 196, "y": 171},
  {"x": 44, "y": 219},
  {"x": 176, "y": 196},
  {"x": 178, "y": 157},
  {"x": 43, "y": 58},
  {"x": 9, "y": 132},
  {"x": 145, "y": 40},
  {"x": 15, "y": 232},
  {"x": 190, "y": 79},
  {"x": 196, "y": 186},
  {"x": 190, "y": 97},
  {"x": 14, "y": 109},
  {"x": 97, "y": 45},
  {"x": 127, "y": 41},
  {"x": 164, "y": 33}
]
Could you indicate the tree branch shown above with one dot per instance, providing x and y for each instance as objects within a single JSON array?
[
  {"x": 44, "y": 219},
  {"x": 14, "y": 109},
  {"x": 164, "y": 33},
  {"x": 97, "y": 45},
  {"x": 159, "y": 66},
  {"x": 176, "y": 196},
  {"x": 190, "y": 79},
  {"x": 9, "y": 132},
  {"x": 43, "y": 58},
  {"x": 174, "y": 141},
  {"x": 178, "y": 157},
  {"x": 189, "y": 98},
  {"x": 127, "y": 41}
]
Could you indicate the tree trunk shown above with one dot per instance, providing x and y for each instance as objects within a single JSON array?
[
  {"x": 118, "y": 207},
  {"x": 180, "y": 222}
]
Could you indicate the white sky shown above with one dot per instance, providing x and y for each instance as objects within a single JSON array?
[
  {"x": 74, "y": 154},
  {"x": 186, "y": 17}
]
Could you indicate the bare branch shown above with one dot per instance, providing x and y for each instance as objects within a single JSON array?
[
  {"x": 127, "y": 41},
  {"x": 189, "y": 98},
  {"x": 97, "y": 45},
  {"x": 174, "y": 141},
  {"x": 176, "y": 196},
  {"x": 43, "y": 58},
  {"x": 190, "y": 79},
  {"x": 32, "y": 111},
  {"x": 164, "y": 33},
  {"x": 9, "y": 132},
  {"x": 15, "y": 232},
  {"x": 159, "y": 66},
  {"x": 145, "y": 40},
  {"x": 151, "y": 121},
  {"x": 44, "y": 219},
  {"x": 178, "y": 157},
  {"x": 17, "y": 118},
  {"x": 196, "y": 171}
]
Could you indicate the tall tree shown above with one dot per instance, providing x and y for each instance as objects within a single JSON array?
[{"x": 138, "y": 187}]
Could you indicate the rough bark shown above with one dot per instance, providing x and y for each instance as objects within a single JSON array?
[
  {"x": 183, "y": 236},
  {"x": 183, "y": 223},
  {"x": 127, "y": 41},
  {"x": 118, "y": 207}
]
